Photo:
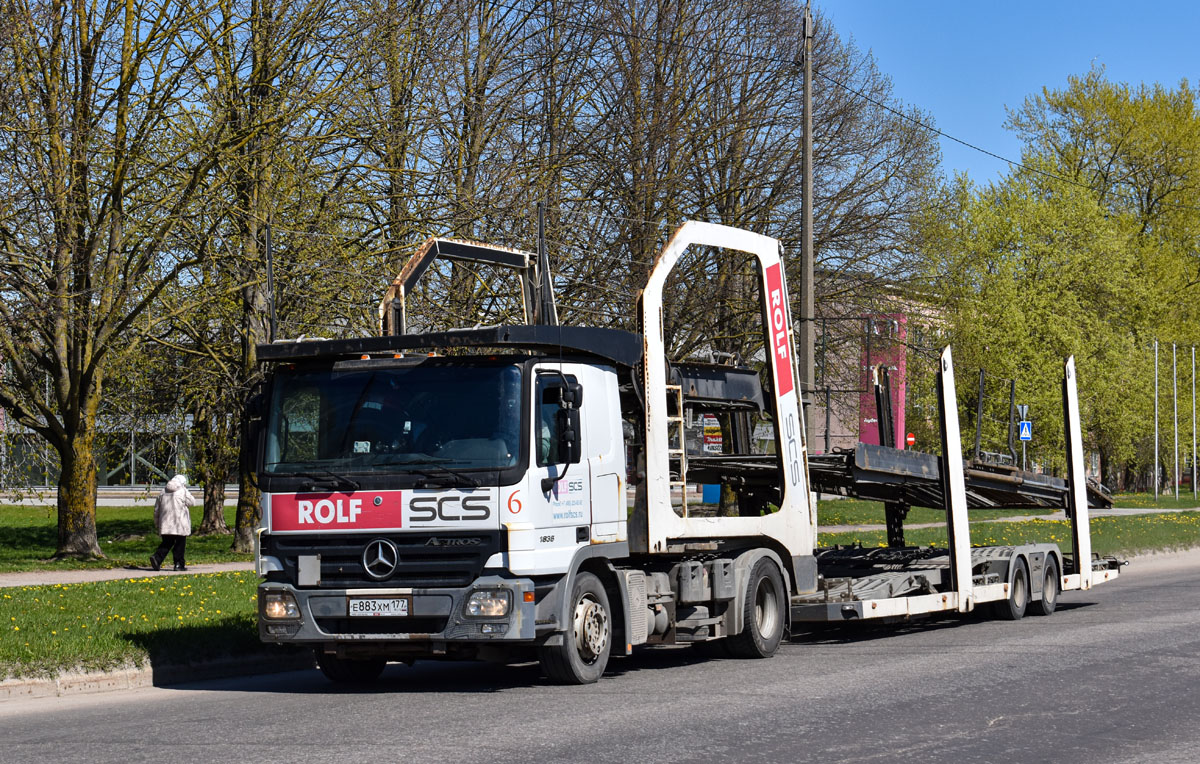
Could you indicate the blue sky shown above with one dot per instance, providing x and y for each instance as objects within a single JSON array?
[{"x": 965, "y": 61}]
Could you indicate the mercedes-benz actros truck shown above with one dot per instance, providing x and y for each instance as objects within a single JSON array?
[{"x": 518, "y": 491}]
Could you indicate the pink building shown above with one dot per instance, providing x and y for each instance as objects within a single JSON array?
[{"x": 884, "y": 345}]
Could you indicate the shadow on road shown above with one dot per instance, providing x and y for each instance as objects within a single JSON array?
[
  {"x": 471, "y": 677},
  {"x": 474, "y": 677},
  {"x": 852, "y": 632}
]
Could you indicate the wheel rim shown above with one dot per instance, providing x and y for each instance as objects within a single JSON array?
[
  {"x": 1050, "y": 587},
  {"x": 1019, "y": 590},
  {"x": 766, "y": 608},
  {"x": 591, "y": 629}
]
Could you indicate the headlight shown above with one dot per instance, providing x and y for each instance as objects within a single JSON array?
[
  {"x": 489, "y": 603},
  {"x": 280, "y": 605}
]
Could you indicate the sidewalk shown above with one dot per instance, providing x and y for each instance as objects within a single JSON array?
[
  {"x": 82, "y": 576},
  {"x": 106, "y": 496}
]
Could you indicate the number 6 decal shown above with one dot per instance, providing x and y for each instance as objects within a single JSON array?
[{"x": 514, "y": 504}]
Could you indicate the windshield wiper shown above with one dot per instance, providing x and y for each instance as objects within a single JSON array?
[
  {"x": 325, "y": 479},
  {"x": 429, "y": 467},
  {"x": 432, "y": 469},
  {"x": 333, "y": 481}
]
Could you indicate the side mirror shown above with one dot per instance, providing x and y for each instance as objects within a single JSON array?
[
  {"x": 570, "y": 446},
  {"x": 572, "y": 395}
]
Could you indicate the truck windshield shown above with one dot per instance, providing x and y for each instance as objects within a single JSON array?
[{"x": 452, "y": 415}]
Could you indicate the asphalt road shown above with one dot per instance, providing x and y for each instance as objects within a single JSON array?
[{"x": 1113, "y": 676}]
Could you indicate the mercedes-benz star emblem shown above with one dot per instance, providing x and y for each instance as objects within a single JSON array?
[{"x": 380, "y": 559}]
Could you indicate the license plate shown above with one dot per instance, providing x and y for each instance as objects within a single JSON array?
[{"x": 379, "y": 606}]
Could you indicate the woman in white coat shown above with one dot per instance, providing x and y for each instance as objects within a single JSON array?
[{"x": 173, "y": 521}]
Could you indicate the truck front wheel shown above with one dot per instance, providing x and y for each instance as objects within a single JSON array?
[
  {"x": 764, "y": 613},
  {"x": 349, "y": 670},
  {"x": 583, "y": 654}
]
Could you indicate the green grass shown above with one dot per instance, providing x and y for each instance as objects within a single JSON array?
[
  {"x": 1110, "y": 535},
  {"x": 859, "y": 512},
  {"x": 28, "y": 536},
  {"x": 1164, "y": 501},
  {"x": 104, "y": 625}
]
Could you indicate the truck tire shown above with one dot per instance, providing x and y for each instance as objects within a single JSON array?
[
  {"x": 350, "y": 670},
  {"x": 764, "y": 613},
  {"x": 1050, "y": 589},
  {"x": 1013, "y": 608},
  {"x": 583, "y": 654}
]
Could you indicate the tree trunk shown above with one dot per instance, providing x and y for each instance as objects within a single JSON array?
[
  {"x": 728, "y": 506},
  {"x": 77, "y": 501},
  {"x": 248, "y": 514},
  {"x": 213, "y": 523},
  {"x": 212, "y": 474}
]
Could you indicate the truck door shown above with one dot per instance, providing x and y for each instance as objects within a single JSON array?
[{"x": 562, "y": 515}]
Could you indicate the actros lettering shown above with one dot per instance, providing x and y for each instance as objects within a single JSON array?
[
  {"x": 326, "y": 511},
  {"x": 424, "y": 509}
]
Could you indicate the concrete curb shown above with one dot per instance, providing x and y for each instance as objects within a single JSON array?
[
  {"x": 132, "y": 678},
  {"x": 75, "y": 683}
]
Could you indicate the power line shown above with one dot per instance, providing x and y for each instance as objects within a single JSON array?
[{"x": 708, "y": 49}]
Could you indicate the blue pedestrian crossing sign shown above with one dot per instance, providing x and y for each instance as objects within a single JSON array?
[{"x": 1026, "y": 430}]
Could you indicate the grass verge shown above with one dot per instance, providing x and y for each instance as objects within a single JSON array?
[
  {"x": 859, "y": 512},
  {"x": 1110, "y": 535},
  {"x": 163, "y": 620},
  {"x": 28, "y": 537},
  {"x": 1149, "y": 501}
]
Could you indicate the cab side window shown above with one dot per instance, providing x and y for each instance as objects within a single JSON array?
[
  {"x": 547, "y": 404},
  {"x": 549, "y": 393}
]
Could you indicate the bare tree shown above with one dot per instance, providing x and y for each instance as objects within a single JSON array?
[
  {"x": 274, "y": 65},
  {"x": 103, "y": 153}
]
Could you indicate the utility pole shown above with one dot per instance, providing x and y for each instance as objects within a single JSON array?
[
  {"x": 807, "y": 291},
  {"x": 273, "y": 319},
  {"x": 1175, "y": 416},
  {"x": 1156, "y": 420},
  {"x": 1193, "y": 422}
]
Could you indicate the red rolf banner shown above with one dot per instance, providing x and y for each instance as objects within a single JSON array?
[{"x": 357, "y": 511}]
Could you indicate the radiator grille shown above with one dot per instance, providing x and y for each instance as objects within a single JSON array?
[{"x": 446, "y": 559}]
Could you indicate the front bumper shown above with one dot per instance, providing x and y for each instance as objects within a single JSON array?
[{"x": 435, "y": 616}]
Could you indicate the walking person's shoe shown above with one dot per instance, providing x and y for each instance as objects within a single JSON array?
[
  {"x": 180, "y": 566},
  {"x": 154, "y": 563}
]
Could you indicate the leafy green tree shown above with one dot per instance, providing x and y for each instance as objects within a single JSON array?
[
  {"x": 1088, "y": 248},
  {"x": 1029, "y": 271}
]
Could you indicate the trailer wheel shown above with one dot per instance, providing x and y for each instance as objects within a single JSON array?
[
  {"x": 583, "y": 654},
  {"x": 1013, "y": 608},
  {"x": 764, "y": 613},
  {"x": 350, "y": 670},
  {"x": 1050, "y": 589}
]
